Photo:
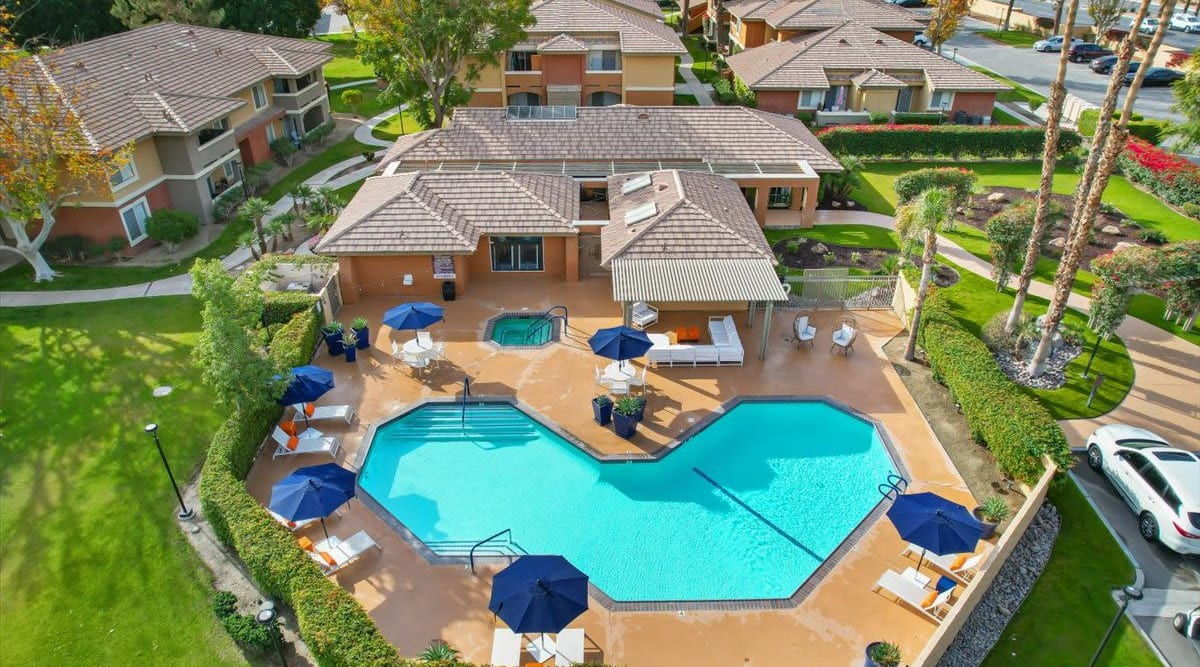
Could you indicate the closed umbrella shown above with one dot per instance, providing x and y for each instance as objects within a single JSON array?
[
  {"x": 417, "y": 315},
  {"x": 313, "y": 492},
  {"x": 934, "y": 524},
  {"x": 306, "y": 383},
  {"x": 539, "y": 594},
  {"x": 620, "y": 343}
]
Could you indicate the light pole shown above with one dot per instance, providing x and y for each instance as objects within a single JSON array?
[
  {"x": 266, "y": 616},
  {"x": 1129, "y": 593},
  {"x": 184, "y": 513}
]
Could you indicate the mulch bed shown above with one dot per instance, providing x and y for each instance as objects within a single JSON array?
[{"x": 804, "y": 257}]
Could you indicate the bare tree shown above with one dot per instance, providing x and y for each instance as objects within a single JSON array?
[{"x": 1105, "y": 14}]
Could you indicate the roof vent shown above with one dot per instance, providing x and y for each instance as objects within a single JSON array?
[
  {"x": 842, "y": 41},
  {"x": 643, "y": 116},
  {"x": 662, "y": 186},
  {"x": 640, "y": 213},
  {"x": 879, "y": 41},
  {"x": 636, "y": 183},
  {"x": 78, "y": 64},
  {"x": 187, "y": 31}
]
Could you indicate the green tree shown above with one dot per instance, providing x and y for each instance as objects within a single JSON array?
[
  {"x": 1105, "y": 14},
  {"x": 425, "y": 50},
  {"x": 352, "y": 97},
  {"x": 946, "y": 16},
  {"x": 137, "y": 13},
  {"x": 60, "y": 22},
  {"x": 286, "y": 18},
  {"x": 1008, "y": 233},
  {"x": 256, "y": 210},
  {"x": 1187, "y": 102},
  {"x": 920, "y": 219},
  {"x": 228, "y": 353}
]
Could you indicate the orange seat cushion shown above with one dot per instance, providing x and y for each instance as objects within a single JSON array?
[
  {"x": 305, "y": 543},
  {"x": 958, "y": 562},
  {"x": 929, "y": 599},
  {"x": 288, "y": 427},
  {"x": 328, "y": 559},
  {"x": 309, "y": 408},
  {"x": 292, "y": 442},
  {"x": 688, "y": 334}
]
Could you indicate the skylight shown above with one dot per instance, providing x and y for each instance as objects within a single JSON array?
[
  {"x": 636, "y": 183},
  {"x": 636, "y": 215}
]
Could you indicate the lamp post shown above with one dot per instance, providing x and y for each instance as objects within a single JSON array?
[
  {"x": 184, "y": 513},
  {"x": 1128, "y": 593},
  {"x": 266, "y": 616}
]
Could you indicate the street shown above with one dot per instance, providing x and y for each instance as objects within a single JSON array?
[
  {"x": 1037, "y": 70},
  {"x": 1172, "y": 581},
  {"x": 1176, "y": 38}
]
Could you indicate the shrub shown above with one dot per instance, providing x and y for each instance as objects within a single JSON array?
[
  {"x": 918, "y": 119},
  {"x": 280, "y": 307},
  {"x": 1178, "y": 59},
  {"x": 995, "y": 337},
  {"x": 961, "y": 181},
  {"x": 806, "y": 117},
  {"x": 1191, "y": 209},
  {"x": 224, "y": 604},
  {"x": 745, "y": 96},
  {"x": 724, "y": 91},
  {"x": 935, "y": 141},
  {"x": 352, "y": 97},
  {"x": 856, "y": 257},
  {"x": 171, "y": 227},
  {"x": 248, "y": 632},
  {"x": 1153, "y": 236},
  {"x": 66, "y": 247},
  {"x": 1044, "y": 23},
  {"x": 1165, "y": 174},
  {"x": 877, "y": 118},
  {"x": 1017, "y": 428},
  {"x": 318, "y": 135},
  {"x": 829, "y": 258},
  {"x": 226, "y": 205},
  {"x": 284, "y": 149},
  {"x": 295, "y": 341}
]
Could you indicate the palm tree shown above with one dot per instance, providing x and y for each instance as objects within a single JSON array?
[
  {"x": 1041, "y": 217},
  {"x": 301, "y": 195},
  {"x": 256, "y": 209},
  {"x": 921, "y": 218},
  {"x": 1087, "y": 200}
]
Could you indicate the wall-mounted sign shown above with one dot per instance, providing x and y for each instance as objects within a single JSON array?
[{"x": 443, "y": 267}]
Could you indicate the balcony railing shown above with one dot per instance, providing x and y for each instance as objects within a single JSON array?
[{"x": 842, "y": 118}]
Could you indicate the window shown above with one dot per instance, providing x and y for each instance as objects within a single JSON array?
[
  {"x": 213, "y": 131},
  {"x": 133, "y": 217},
  {"x": 305, "y": 81},
  {"x": 271, "y": 132},
  {"x": 122, "y": 176},
  {"x": 835, "y": 98},
  {"x": 779, "y": 198},
  {"x": 281, "y": 87},
  {"x": 520, "y": 61},
  {"x": 941, "y": 99},
  {"x": 603, "y": 98},
  {"x": 516, "y": 253},
  {"x": 1154, "y": 479},
  {"x": 809, "y": 99},
  {"x": 904, "y": 100},
  {"x": 260, "y": 96},
  {"x": 524, "y": 100},
  {"x": 604, "y": 61}
]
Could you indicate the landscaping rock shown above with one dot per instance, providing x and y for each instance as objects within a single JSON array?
[
  {"x": 820, "y": 248},
  {"x": 1009, "y": 589},
  {"x": 1055, "y": 375},
  {"x": 1058, "y": 242},
  {"x": 997, "y": 197},
  {"x": 1124, "y": 244},
  {"x": 835, "y": 203},
  {"x": 1111, "y": 229}
]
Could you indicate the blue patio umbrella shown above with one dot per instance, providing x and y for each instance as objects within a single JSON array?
[
  {"x": 934, "y": 524},
  {"x": 306, "y": 383},
  {"x": 539, "y": 594},
  {"x": 313, "y": 492},
  {"x": 416, "y": 315},
  {"x": 620, "y": 343}
]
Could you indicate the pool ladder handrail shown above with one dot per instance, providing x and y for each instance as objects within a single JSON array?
[
  {"x": 894, "y": 484},
  {"x": 514, "y": 546},
  {"x": 466, "y": 394},
  {"x": 547, "y": 319}
]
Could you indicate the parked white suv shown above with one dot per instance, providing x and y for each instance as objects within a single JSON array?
[
  {"x": 1185, "y": 22},
  {"x": 1148, "y": 26},
  {"x": 1159, "y": 482}
]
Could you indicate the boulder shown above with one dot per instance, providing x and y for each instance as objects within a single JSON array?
[
  {"x": 835, "y": 203},
  {"x": 1124, "y": 244},
  {"x": 997, "y": 197},
  {"x": 1112, "y": 230},
  {"x": 1059, "y": 242},
  {"x": 820, "y": 248}
]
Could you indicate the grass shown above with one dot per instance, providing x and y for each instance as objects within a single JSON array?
[
  {"x": 370, "y": 106},
  {"x": 95, "y": 569},
  {"x": 1070, "y": 607},
  {"x": 1005, "y": 118},
  {"x": 397, "y": 125},
  {"x": 331, "y": 155},
  {"x": 859, "y": 236},
  {"x": 345, "y": 66},
  {"x": 1010, "y": 37},
  {"x": 686, "y": 101},
  {"x": 703, "y": 67},
  {"x": 678, "y": 76},
  {"x": 1018, "y": 93}
]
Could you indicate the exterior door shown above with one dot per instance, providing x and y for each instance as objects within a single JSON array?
[
  {"x": 751, "y": 195},
  {"x": 904, "y": 99},
  {"x": 589, "y": 255}
]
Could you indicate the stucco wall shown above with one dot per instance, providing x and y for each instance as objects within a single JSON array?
[
  {"x": 646, "y": 71},
  {"x": 650, "y": 97},
  {"x": 881, "y": 101},
  {"x": 247, "y": 110},
  {"x": 253, "y": 145},
  {"x": 487, "y": 99},
  {"x": 101, "y": 223},
  {"x": 383, "y": 275},
  {"x": 975, "y": 104},
  {"x": 553, "y": 261},
  {"x": 144, "y": 158},
  {"x": 562, "y": 69},
  {"x": 778, "y": 101}
]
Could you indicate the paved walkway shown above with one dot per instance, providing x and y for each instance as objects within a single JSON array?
[
  {"x": 694, "y": 86},
  {"x": 1165, "y": 396}
]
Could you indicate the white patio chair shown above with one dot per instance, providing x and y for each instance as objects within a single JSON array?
[
  {"x": 618, "y": 387},
  {"x": 424, "y": 339},
  {"x": 803, "y": 330},
  {"x": 334, "y": 553},
  {"x": 598, "y": 377},
  {"x": 569, "y": 647},
  {"x": 643, "y": 315},
  {"x": 285, "y": 446},
  {"x": 927, "y": 602},
  {"x": 844, "y": 335},
  {"x": 506, "y": 648},
  {"x": 414, "y": 360},
  {"x": 343, "y": 412},
  {"x": 638, "y": 381},
  {"x": 962, "y": 567},
  {"x": 397, "y": 351}
]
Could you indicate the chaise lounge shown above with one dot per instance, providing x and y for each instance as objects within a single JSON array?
[
  {"x": 288, "y": 445},
  {"x": 335, "y": 553},
  {"x": 725, "y": 350},
  {"x": 959, "y": 566},
  {"x": 929, "y": 602}
]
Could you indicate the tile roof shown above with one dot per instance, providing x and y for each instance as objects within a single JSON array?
[
  {"x": 821, "y": 14},
  {"x": 444, "y": 212},
  {"x": 696, "y": 280},
  {"x": 649, "y": 7},
  {"x": 801, "y": 62},
  {"x": 619, "y": 133},
  {"x": 873, "y": 78},
  {"x": 562, "y": 43},
  {"x": 696, "y": 216},
  {"x": 638, "y": 32},
  {"x": 169, "y": 77}
]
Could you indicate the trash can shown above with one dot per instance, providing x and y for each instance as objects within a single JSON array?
[{"x": 448, "y": 290}]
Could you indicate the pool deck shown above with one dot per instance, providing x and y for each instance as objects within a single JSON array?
[{"x": 415, "y": 603}]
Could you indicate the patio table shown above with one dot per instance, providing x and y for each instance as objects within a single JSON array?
[
  {"x": 619, "y": 371},
  {"x": 541, "y": 648},
  {"x": 414, "y": 347}
]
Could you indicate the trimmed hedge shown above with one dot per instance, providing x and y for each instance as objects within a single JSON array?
[
  {"x": 279, "y": 307},
  {"x": 941, "y": 141},
  {"x": 1146, "y": 130},
  {"x": 294, "y": 342},
  {"x": 911, "y": 118},
  {"x": 1014, "y": 425}
]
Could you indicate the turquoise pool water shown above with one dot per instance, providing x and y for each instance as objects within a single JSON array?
[
  {"x": 746, "y": 509},
  {"x": 522, "y": 330}
]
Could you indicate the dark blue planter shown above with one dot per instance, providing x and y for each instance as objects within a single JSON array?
[
  {"x": 624, "y": 425},
  {"x": 364, "y": 338},
  {"x": 351, "y": 353},
  {"x": 602, "y": 413},
  {"x": 333, "y": 342}
]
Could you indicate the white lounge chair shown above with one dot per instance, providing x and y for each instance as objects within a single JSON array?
[
  {"x": 335, "y": 553},
  {"x": 928, "y": 602},
  {"x": 569, "y": 647},
  {"x": 803, "y": 330},
  {"x": 292, "y": 525},
  {"x": 844, "y": 335},
  {"x": 343, "y": 412},
  {"x": 303, "y": 445},
  {"x": 959, "y": 566},
  {"x": 643, "y": 315},
  {"x": 506, "y": 648}
]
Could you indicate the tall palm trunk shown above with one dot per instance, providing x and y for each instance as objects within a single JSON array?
[
  {"x": 927, "y": 257},
  {"x": 1084, "y": 217},
  {"x": 1041, "y": 218},
  {"x": 685, "y": 10}
]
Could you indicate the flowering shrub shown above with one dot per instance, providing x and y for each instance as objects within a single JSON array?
[
  {"x": 1164, "y": 173},
  {"x": 1178, "y": 58},
  {"x": 1176, "y": 267},
  {"x": 934, "y": 141}
]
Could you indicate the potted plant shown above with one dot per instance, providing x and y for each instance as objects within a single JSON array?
[
  {"x": 641, "y": 407},
  {"x": 625, "y": 417},
  {"x": 348, "y": 345},
  {"x": 883, "y": 654},
  {"x": 602, "y": 408},
  {"x": 361, "y": 332},
  {"x": 333, "y": 338},
  {"x": 990, "y": 514}
]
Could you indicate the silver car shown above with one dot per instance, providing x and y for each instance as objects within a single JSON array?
[{"x": 1054, "y": 44}]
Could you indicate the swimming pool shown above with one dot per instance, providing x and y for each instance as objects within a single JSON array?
[
  {"x": 512, "y": 330},
  {"x": 746, "y": 509}
]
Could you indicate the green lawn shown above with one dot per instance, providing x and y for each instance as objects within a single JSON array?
[
  {"x": 95, "y": 571},
  {"x": 861, "y": 236},
  {"x": 331, "y": 155},
  {"x": 1019, "y": 93},
  {"x": 345, "y": 66},
  {"x": 1010, "y": 37},
  {"x": 1003, "y": 117},
  {"x": 1070, "y": 607},
  {"x": 703, "y": 67},
  {"x": 370, "y": 106},
  {"x": 686, "y": 101},
  {"x": 397, "y": 125}
]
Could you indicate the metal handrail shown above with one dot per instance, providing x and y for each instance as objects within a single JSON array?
[
  {"x": 466, "y": 393},
  {"x": 480, "y": 543}
]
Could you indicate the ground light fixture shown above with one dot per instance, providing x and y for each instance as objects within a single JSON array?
[
  {"x": 1127, "y": 593},
  {"x": 185, "y": 514},
  {"x": 266, "y": 617}
]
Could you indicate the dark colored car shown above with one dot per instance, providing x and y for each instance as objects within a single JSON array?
[
  {"x": 1157, "y": 76},
  {"x": 909, "y": 3},
  {"x": 1105, "y": 64},
  {"x": 1087, "y": 51}
]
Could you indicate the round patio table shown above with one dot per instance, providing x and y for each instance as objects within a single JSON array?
[
  {"x": 619, "y": 371},
  {"x": 415, "y": 347}
]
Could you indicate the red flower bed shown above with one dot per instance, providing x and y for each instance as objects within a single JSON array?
[{"x": 1166, "y": 174}]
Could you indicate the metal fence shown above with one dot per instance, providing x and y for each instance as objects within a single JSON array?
[{"x": 835, "y": 288}]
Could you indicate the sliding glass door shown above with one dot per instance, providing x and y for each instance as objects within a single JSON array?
[{"x": 517, "y": 253}]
